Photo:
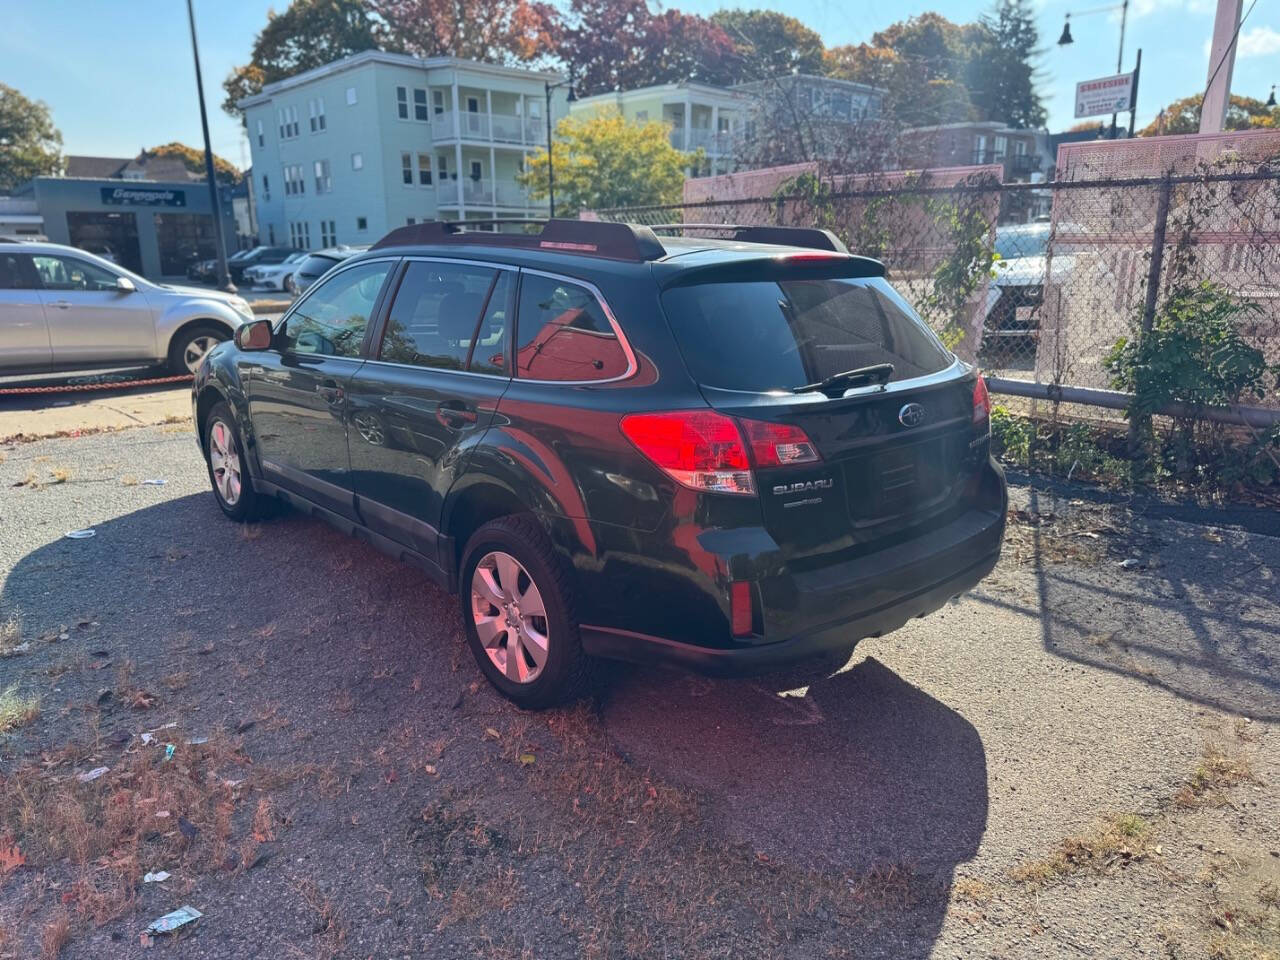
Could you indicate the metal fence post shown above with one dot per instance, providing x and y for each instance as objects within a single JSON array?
[
  {"x": 1139, "y": 425},
  {"x": 782, "y": 204}
]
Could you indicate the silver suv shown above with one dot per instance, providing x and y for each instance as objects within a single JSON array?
[{"x": 66, "y": 309}]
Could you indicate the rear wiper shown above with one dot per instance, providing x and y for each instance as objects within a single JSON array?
[{"x": 836, "y": 384}]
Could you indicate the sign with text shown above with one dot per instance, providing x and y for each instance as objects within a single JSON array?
[
  {"x": 1104, "y": 95},
  {"x": 144, "y": 197}
]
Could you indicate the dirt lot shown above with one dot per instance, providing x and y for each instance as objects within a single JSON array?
[{"x": 1078, "y": 759}]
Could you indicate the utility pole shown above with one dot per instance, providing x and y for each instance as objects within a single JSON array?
[
  {"x": 224, "y": 277},
  {"x": 1222, "y": 62}
]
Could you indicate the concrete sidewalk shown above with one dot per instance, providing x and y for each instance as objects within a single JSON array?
[{"x": 55, "y": 415}]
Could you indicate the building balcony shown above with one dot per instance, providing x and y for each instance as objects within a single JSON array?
[
  {"x": 484, "y": 193},
  {"x": 498, "y": 128},
  {"x": 714, "y": 143},
  {"x": 1021, "y": 164}
]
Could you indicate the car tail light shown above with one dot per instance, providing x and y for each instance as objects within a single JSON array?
[
  {"x": 981, "y": 401},
  {"x": 701, "y": 449},
  {"x": 778, "y": 444},
  {"x": 740, "y": 620}
]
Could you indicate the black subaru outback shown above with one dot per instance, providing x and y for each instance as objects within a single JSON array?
[{"x": 726, "y": 453}]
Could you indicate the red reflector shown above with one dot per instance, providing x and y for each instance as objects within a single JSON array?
[
  {"x": 793, "y": 257},
  {"x": 981, "y": 401},
  {"x": 778, "y": 444},
  {"x": 740, "y": 608},
  {"x": 701, "y": 449}
]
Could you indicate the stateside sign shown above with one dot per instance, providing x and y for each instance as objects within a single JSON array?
[{"x": 1112, "y": 94}]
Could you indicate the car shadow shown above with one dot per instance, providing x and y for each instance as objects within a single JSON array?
[{"x": 860, "y": 771}]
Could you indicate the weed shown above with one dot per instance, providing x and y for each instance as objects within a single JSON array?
[
  {"x": 1114, "y": 841},
  {"x": 17, "y": 710},
  {"x": 327, "y": 923},
  {"x": 971, "y": 890},
  {"x": 55, "y": 935},
  {"x": 129, "y": 481},
  {"x": 60, "y": 475},
  {"x": 10, "y": 635},
  {"x": 1219, "y": 769},
  {"x": 176, "y": 681}
]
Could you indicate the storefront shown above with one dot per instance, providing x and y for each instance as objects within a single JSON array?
[{"x": 153, "y": 228}]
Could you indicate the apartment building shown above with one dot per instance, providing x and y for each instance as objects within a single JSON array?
[
  {"x": 977, "y": 142},
  {"x": 345, "y": 152},
  {"x": 698, "y": 115}
]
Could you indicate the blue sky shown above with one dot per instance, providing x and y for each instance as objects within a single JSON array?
[{"x": 118, "y": 75}]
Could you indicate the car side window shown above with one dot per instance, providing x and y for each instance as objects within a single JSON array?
[
  {"x": 16, "y": 272},
  {"x": 490, "y": 352},
  {"x": 564, "y": 334},
  {"x": 436, "y": 312},
  {"x": 333, "y": 318},
  {"x": 69, "y": 273}
]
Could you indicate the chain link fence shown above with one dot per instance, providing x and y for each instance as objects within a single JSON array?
[{"x": 1041, "y": 285}]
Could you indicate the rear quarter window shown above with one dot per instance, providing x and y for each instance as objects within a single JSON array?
[
  {"x": 778, "y": 335},
  {"x": 564, "y": 333}
]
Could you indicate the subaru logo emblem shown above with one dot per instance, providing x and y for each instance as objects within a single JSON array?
[{"x": 911, "y": 415}]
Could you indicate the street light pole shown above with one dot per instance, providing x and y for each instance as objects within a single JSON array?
[
  {"x": 1066, "y": 39},
  {"x": 551, "y": 165},
  {"x": 224, "y": 277},
  {"x": 1124, "y": 16}
]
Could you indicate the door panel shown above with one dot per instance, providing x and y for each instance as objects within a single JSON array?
[
  {"x": 90, "y": 321},
  {"x": 24, "y": 335},
  {"x": 415, "y": 412},
  {"x": 297, "y": 393}
]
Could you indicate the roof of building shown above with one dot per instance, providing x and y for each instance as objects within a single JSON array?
[
  {"x": 691, "y": 87},
  {"x": 395, "y": 60},
  {"x": 141, "y": 167},
  {"x": 96, "y": 168}
]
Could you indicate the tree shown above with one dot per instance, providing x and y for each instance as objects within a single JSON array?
[
  {"x": 193, "y": 160},
  {"x": 310, "y": 33},
  {"x": 622, "y": 44},
  {"x": 30, "y": 145},
  {"x": 1183, "y": 116},
  {"x": 491, "y": 31},
  {"x": 1001, "y": 70},
  {"x": 603, "y": 161},
  {"x": 769, "y": 44}
]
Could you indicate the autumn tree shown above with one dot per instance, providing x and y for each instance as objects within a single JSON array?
[
  {"x": 1183, "y": 116},
  {"x": 604, "y": 161},
  {"x": 193, "y": 160},
  {"x": 310, "y": 33},
  {"x": 769, "y": 44},
  {"x": 491, "y": 31},
  {"x": 30, "y": 145}
]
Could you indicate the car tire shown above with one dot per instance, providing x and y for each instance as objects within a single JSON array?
[
  {"x": 516, "y": 547},
  {"x": 191, "y": 344},
  {"x": 223, "y": 456}
]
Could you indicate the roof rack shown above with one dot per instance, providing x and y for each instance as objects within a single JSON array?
[
  {"x": 787, "y": 236},
  {"x": 597, "y": 238}
]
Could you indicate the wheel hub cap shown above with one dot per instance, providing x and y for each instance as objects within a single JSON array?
[
  {"x": 224, "y": 463},
  {"x": 510, "y": 617}
]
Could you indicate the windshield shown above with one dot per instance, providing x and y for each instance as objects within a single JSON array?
[
  {"x": 1024, "y": 240},
  {"x": 781, "y": 335}
]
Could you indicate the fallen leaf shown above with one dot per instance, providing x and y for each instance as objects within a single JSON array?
[
  {"x": 527, "y": 759},
  {"x": 491, "y": 734},
  {"x": 11, "y": 858},
  {"x": 1212, "y": 536}
]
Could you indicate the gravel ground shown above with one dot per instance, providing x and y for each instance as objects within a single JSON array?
[{"x": 1075, "y": 759}]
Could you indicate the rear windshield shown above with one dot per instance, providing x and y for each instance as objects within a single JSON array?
[
  {"x": 313, "y": 266},
  {"x": 776, "y": 335}
]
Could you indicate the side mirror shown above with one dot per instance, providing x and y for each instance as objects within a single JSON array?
[
  {"x": 254, "y": 336},
  {"x": 125, "y": 285}
]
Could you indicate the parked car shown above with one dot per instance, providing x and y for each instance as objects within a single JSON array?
[
  {"x": 64, "y": 308},
  {"x": 317, "y": 264},
  {"x": 1016, "y": 292},
  {"x": 275, "y": 276},
  {"x": 723, "y": 454},
  {"x": 206, "y": 271},
  {"x": 259, "y": 256}
]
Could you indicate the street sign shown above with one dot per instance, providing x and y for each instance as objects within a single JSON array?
[{"x": 1105, "y": 95}]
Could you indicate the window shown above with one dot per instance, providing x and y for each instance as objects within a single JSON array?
[
  {"x": 332, "y": 319},
  {"x": 328, "y": 233},
  {"x": 316, "y": 109},
  {"x": 437, "y": 311},
  {"x": 424, "y": 169},
  {"x": 266, "y": 188},
  {"x": 68, "y": 273},
  {"x": 642, "y": 116},
  {"x": 442, "y": 165},
  {"x": 271, "y": 234},
  {"x": 351, "y": 96},
  {"x": 357, "y": 161},
  {"x": 420, "y": 104},
  {"x": 776, "y": 335},
  {"x": 473, "y": 104},
  {"x": 181, "y": 238},
  {"x": 406, "y": 169},
  {"x": 362, "y": 223},
  {"x": 564, "y": 333},
  {"x": 324, "y": 180},
  {"x": 300, "y": 234},
  {"x": 294, "y": 180},
  {"x": 437, "y": 101},
  {"x": 402, "y": 103},
  {"x": 1002, "y": 145},
  {"x": 409, "y": 222},
  {"x": 261, "y": 138},
  {"x": 287, "y": 117},
  {"x": 16, "y": 272},
  {"x": 477, "y": 170}
]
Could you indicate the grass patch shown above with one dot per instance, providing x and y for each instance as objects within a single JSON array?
[
  {"x": 971, "y": 890},
  {"x": 1219, "y": 770},
  {"x": 16, "y": 709},
  {"x": 1112, "y": 843},
  {"x": 10, "y": 635}
]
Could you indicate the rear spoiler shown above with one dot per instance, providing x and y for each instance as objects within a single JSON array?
[{"x": 801, "y": 265}]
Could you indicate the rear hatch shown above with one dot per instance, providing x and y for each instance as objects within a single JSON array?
[{"x": 900, "y": 450}]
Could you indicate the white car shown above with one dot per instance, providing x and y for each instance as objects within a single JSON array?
[
  {"x": 276, "y": 276},
  {"x": 65, "y": 309},
  {"x": 316, "y": 265},
  {"x": 1016, "y": 291}
]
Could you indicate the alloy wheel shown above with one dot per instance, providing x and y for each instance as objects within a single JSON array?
[
  {"x": 224, "y": 463},
  {"x": 510, "y": 617},
  {"x": 196, "y": 350}
]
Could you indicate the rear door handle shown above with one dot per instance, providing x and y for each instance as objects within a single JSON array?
[
  {"x": 61, "y": 304},
  {"x": 330, "y": 390},
  {"x": 455, "y": 415}
]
